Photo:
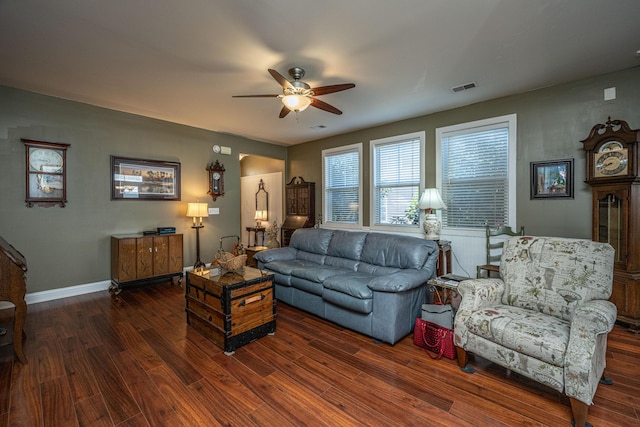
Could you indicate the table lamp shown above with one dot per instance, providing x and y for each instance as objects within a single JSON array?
[
  {"x": 430, "y": 201},
  {"x": 197, "y": 211},
  {"x": 260, "y": 216}
]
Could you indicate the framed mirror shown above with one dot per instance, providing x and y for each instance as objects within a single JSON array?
[{"x": 262, "y": 203}]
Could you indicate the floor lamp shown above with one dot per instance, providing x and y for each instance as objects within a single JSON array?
[{"x": 197, "y": 211}]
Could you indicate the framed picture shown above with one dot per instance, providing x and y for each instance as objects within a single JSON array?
[
  {"x": 46, "y": 173},
  {"x": 138, "y": 179},
  {"x": 553, "y": 179}
]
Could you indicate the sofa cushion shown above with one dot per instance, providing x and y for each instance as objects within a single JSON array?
[
  {"x": 318, "y": 273},
  {"x": 524, "y": 331},
  {"x": 346, "y": 244},
  {"x": 307, "y": 285},
  {"x": 313, "y": 240},
  {"x": 376, "y": 270},
  {"x": 347, "y": 301},
  {"x": 397, "y": 251},
  {"x": 311, "y": 257},
  {"x": 286, "y": 267},
  {"x": 342, "y": 263},
  {"x": 353, "y": 284}
]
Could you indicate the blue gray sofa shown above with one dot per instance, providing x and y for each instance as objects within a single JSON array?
[{"x": 373, "y": 283}]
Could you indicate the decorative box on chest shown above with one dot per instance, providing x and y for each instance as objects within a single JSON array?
[{"x": 231, "y": 310}]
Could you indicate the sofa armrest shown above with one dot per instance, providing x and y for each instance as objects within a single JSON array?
[
  {"x": 400, "y": 281},
  {"x": 277, "y": 254},
  {"x": 586, "y": 351}
]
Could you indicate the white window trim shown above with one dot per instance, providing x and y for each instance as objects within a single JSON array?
[
  {"x": 333, "y": 151},
  {"x": 400, "y": 229},
  {"x": 511, "y": 121}
]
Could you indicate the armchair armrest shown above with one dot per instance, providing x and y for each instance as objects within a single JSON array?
[
  {"x": 586, "y": 350},
  {"x": 479, "y": 293},
  {"x": 277, "y": 254},
  {"x": 593, "y": 318},
  {"x": 476, "y": 294},
  {"x": 400, "y": 281}
]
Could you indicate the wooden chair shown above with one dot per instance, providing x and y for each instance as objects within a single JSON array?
[{"x": 495, "y": 242}]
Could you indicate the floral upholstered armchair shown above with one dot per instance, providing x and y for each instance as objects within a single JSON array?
[{"x": 547, "y": 317}]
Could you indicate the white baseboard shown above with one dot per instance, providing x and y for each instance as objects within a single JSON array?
[{"x": 70, "y": 291}]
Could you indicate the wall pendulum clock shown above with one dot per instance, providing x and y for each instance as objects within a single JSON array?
[
  {"x": 612, "y": 171},
  {"x": 46, "y": 173},
  {"x": 216, "y": 180}
]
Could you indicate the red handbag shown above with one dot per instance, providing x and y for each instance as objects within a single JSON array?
[{"x": 434, "y": 338}]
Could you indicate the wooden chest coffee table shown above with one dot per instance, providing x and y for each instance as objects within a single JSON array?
[{"x": 231, "y": 309}]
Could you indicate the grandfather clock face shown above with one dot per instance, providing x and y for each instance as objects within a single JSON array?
[{"x": 611, "y": 150}]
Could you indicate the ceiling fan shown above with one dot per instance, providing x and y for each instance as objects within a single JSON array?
[{"x": 297, "y": 95}]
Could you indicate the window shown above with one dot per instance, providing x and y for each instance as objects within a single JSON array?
[
  {"x": 342, "y": 206},
  {"x": 475, "y": 169},
  {"x": 397, "y": 171}
]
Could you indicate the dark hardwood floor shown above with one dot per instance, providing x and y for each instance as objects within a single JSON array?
[{"x": 131, "y": 360}]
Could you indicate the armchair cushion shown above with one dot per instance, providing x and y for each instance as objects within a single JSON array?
[{"x": 524, "y": 331}]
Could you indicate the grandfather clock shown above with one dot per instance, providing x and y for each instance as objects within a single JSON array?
[{"x": 613, "y": 162}]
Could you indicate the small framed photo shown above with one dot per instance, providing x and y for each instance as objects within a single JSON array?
[
  {"x": 139, "y": 179},
  {"x": 552, "y": 179}
]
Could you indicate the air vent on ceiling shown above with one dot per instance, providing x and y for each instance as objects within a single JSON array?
[{"x": 465, "y": 86}]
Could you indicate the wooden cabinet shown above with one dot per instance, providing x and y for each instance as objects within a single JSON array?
[
  {"x": 300, "y": 206},
  {"x": 613, "y": 167},
  {"x": 233, "y": 309},
  {"x": 136, "y": 258}
]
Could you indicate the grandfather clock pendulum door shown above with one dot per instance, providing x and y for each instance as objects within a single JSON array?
[{"x": 612, "y": 171}]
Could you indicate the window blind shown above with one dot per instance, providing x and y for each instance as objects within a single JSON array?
[
  {"x": 342, "y": 185},
  {"x": 475, "y": 186},
  {"x": 397, "y": 182}
]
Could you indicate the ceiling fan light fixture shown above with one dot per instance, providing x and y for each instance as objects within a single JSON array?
[{"x": 296, "y": 102}]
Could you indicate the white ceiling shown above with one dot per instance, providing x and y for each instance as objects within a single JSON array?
[{"x": 182, "y": 61}]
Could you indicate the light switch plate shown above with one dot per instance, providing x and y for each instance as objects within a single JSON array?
[
  {"x": 214, "y": 211},
  {"x": 609, "y": 93}
]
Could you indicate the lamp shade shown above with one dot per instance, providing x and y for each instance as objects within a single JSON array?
[
  {"x": 197, "y": 210},
  {"x": 261, "y": 215},
  {"x": 296, "y": 102},
  {"x": 431, "y": 200}
]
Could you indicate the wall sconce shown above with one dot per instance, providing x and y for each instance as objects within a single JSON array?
[
  {"x": 430, "y": 201},
  {"x": 197, "y": 211}
]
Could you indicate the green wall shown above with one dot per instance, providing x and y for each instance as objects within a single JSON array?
[
  {"x": 71, "y": 246},
  {"x": 550, "y": 124}
]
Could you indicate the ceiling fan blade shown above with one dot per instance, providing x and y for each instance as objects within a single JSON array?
[
  {"x": 324, "y": 106},
  {"x": 323, "y": 90},
  {"x": 255, "y": 96},
  {"x": 280, "y": 79},
  {"x": 284, "y": 112}
]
